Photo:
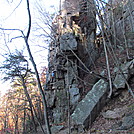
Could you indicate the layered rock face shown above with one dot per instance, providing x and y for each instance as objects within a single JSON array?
[
  {"x": 73, "y": 50},
  {"x": 72, "y": 46}
]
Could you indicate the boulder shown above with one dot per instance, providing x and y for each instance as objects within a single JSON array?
[
  {"x": 114, "y": 114},
  {"x": 125, "y": 66},
  {"x": 127, "y": 122},
  {"x": 119, "y": 81},
  {"x": 87, "y": 109}
]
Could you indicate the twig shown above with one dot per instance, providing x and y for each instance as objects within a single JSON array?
[
  {"x": 16, "y": 38},
  {"x": 14, "y": 10},
  {"x": 106, "y": 55}
]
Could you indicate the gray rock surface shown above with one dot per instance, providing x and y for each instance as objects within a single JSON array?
[
  {"x": 125, "y": 11},
  {"x": 127, "y": 122},
  {"x": 86, "y": 110},
  {"x": 119, "y": 81},
  {"x": 56, "y": 129},
  {"x": 59, "y": 114},
  {"x": 50, "y": 97},
  {"x": 74, "y": 94},
  {"x": 68, "y": 42},
  {"x": 60, "y": 109},
  {"x": 58, "y": 84},
  {"x": 114, "y": 114},
  {"x": 71, "y": 74}
]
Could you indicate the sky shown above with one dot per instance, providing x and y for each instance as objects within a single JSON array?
[{"x": 14, "y": 15}]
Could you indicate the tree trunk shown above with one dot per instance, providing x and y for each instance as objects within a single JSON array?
[
  {"x": 106, "y": 53},
  {"x": 40, "y": 88},
  {"x": 30, "y": 103},
  {"x": 16, "y": 124},
  {"x": 36, "y": 71},
  {"x": 24, "y": 121}
]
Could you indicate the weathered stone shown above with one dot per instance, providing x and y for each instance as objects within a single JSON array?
[
  {"x": 61, "y": 98},
  {"x": 69, "y": 33},
  {"x": 85, "y": 112},
  {"x": 74, "y": 94},
  {"x": 68, "y": 42},
  {"x": 71, "y": 74},
  {"x": 61, "y": 103},
  {"x": 127, "y": 122},
  {"x": 130, "y": 37},
  {"x": 50, "y": 97},
  {"x": 59, "y": 74},
  {"x": 125, "y": 66},
  {"x": 119, "y": 81},
  {"x": 131, "y": 43},
  {"x": 114, "y": 114},
  {"x": 59, "y": 84},
  {"x": 56, "y": 129},
  {"x": 123, "y": 12},
  {"x": 66, "y": 131},
  {"x": 58, "y": 115}
]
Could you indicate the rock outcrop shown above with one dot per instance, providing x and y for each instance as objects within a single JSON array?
[
  {"x": 122, "y": 74},
  {"x": 88, "y": 109},
  {"x": 71, "y": 53},
  {"x": 73, "y": 45}
]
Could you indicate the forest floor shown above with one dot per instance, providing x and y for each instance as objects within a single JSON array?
[
  {"x": 125, "y": 103},
  {"x": 121, "y": 105}
]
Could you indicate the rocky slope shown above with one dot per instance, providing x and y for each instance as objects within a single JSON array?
[{"x": 77, "y": 80}]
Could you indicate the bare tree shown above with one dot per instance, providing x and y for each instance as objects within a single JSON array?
[
  {"x": 26, "y": 39},
  {"x": 17, "y": 66},
  {"x": 36, "y": 71}
]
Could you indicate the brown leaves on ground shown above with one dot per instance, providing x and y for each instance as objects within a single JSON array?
[{"x": 105, "y": 126}]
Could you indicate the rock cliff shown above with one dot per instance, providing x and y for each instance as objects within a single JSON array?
[
  {"x": 73, "y": 46},
  {"x": 73, "y": 53}
]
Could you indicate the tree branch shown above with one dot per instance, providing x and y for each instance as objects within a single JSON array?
[
  {"x": 36, "y": 71},
  {"x": 14, "y": 9},
  {"x": 16, "y": 38},
  {"x": 29, "y": 15},
  {"x": 12, "y": 29}
]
